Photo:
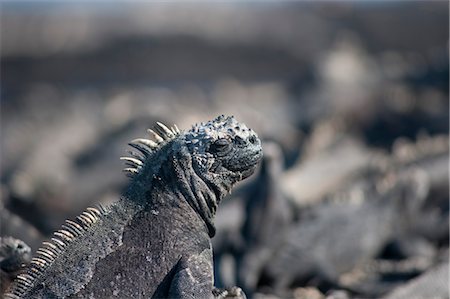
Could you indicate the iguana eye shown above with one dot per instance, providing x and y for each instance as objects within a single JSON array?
[
  {"x": 220, "y": 146},
  {"x": 239, "y": 140}
]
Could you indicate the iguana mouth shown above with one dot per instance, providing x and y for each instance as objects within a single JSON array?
[
  {"x": 248, "y": 172},
  {"x": 249, "y": 168}
]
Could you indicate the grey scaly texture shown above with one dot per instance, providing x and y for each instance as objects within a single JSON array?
[{"x": 155, "y": 241}]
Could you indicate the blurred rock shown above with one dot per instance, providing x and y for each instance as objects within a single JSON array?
[
  {"x": 432, "y": 284},
  {"x": 353, "y": 196}
]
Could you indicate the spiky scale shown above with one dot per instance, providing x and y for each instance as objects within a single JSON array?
[
  {"x": 136, "y": 156},
  {"x": 78, "y": 228},
  {"x": 59, "y": 244},
  {"x": 101, "y": 209},
  {"x": 35, "y": 271},
  {"x": 131, "y": 170},
  {"x": 177, "y": 130},
  {"x": 50, "y": 245},
  {"x": 164, "y": 130},
  {"x": 70, "y": 229},
  {"x": 38, "y": 261},
  {"x": 143, "y": 149},
  {"x": 22, "y": 277},
  {"x": 85, "y": 220},
  {"x": 25, "y": 278},
  {"x": 64, "y": 234},
  {"x": 147, "y": 142},
  {"x": 46, "y": 254},
  {"x": 132, "y": 161},
  {"x": 155, "y": 135},
  {"x": 92, "y": 217},
  {"x": 61, "y": 236},
  {"x": 28, "y": 280},
  {"x": 94, "y": 210},
  {"x": 33, "y": 274},
  {"x": 22, "y": 286}
]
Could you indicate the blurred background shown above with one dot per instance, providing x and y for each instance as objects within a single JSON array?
[{"x": 350, "y": 99}]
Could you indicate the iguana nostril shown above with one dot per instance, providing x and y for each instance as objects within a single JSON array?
[
  {"x": 239, "y": 140},
  {"x": 252, "y": 139}
]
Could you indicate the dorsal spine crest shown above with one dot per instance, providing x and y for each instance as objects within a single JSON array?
[
  {"x": 51, "y": 250},
  {"x": 71, "y": 230},
  {"x": 148, "y": 148}
]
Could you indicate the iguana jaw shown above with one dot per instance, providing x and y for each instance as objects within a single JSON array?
[{"x": 248, "y": 172}]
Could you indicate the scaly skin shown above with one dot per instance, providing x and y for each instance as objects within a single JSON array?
[{"x": 155, "y": 241}]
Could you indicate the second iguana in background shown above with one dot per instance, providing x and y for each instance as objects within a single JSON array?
[{"x": 155, "y": 241}]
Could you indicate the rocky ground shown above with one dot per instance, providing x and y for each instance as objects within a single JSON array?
[{"x": 350, "y": 100}]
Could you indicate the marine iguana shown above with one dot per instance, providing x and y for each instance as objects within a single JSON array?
[
  {"x": 155, "y": 241},
  {"x": 14, "y": 255}
]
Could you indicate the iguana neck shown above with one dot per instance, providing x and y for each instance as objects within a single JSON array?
[
  {"x": 196, "y": 193},
  {"x": 176, "y": 181}
]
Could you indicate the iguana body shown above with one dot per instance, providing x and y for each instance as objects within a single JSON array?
[{"x": 155, "y": 241}]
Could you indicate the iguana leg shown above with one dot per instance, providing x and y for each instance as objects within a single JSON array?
[{"x": 194, "y": 279}]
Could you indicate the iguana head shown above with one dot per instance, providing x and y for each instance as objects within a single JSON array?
[
  {"x": 224, "y": 151},
  {"x": 13, "y": 254},
  {"x": 202, "y": 163}
]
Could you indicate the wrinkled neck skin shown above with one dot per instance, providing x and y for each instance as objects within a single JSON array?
[{"x": 179, "y": 179}]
